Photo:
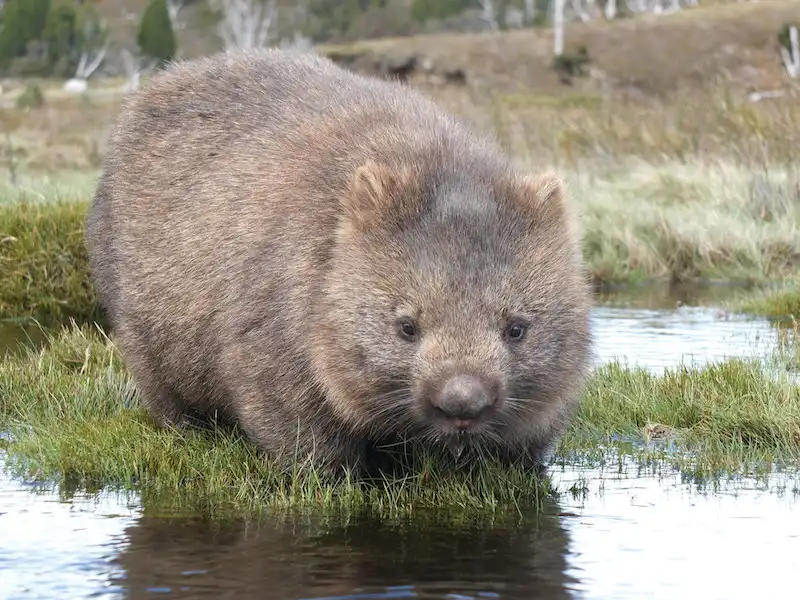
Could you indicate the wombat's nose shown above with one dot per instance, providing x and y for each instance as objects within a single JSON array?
[{"x": 463, "y": 398}]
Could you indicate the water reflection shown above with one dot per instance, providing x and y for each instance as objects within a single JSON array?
[
  {"x": 652, "y": 534},
  {"x": 632, "y": 533},
  {"x": 57, "y": 547},
  {"x": 659, "y": 338},
  {"x": 308, "y": 558}
]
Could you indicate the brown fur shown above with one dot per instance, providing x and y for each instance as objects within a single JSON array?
[{"x": 263, "y": 220}]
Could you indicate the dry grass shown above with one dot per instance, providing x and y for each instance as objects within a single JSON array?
[
  {"x": 660, "y": 87},
  {"x": 687, "y": 221}
]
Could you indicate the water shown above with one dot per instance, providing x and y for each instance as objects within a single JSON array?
[{"x": 627, "y": 533}]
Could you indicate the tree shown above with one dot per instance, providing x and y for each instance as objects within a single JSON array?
[
  {"x": 23, "y": 22},
  {"x": 558, "y": 27},
  {"x": 247, "y": 23},
  {"x": 789, "y": 41},
  {"x": 61, "y": 37},
  {"x": 156, "y": 37},
  {"x": 92, "y": 47}
]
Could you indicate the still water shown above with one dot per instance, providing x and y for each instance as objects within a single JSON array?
[{"x": 626, "y": 532}]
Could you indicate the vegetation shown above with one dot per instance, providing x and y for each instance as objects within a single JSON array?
[
  {"x": 43, "y": 263},
  {"x": 679, "y": 175},
  {"x": 156, "y": 37},
  {"x": 47, "y": 37},
  {"x": 642, "y": 221},
  {"x": 61, "y": 35},
  {"x": 779, "y": 302},
  {"x": 72, "y": 414},
  {"x": 424, "y": 10},
  {"x": 23, "y": 22}
]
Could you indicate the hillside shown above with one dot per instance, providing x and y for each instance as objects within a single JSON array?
[
  {"x": 655, "y": 86},
  {"x": 646, "y": 54}
]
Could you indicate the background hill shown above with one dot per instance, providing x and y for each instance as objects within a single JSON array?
[{"x": 645, "y": 84}]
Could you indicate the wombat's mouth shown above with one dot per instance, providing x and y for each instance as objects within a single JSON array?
[
  {"x": 457, "y": 442},
  {"x": 460, "y": 406}
]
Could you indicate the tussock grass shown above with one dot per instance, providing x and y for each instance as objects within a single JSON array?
[
  {"x": 43, "y": 263},
  {"x": 781, "y": 302},
  {"x": 731, "y": 404},
  {"x": 685, "y": 221},
  {"x": 72, "y": 414}
]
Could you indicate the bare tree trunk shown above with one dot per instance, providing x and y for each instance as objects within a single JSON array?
[
  {"x": 488, "y": 13},
  {"x": 791, "y": 56},
  {"x": 173, "y": 8},
  {"x": 135, "y": 67},
  {"x": 247, "y": 23},
  {"x": 87, "y": 65},
  {"x": 558, "y": 27},
  {"x": 530, "y": 11}
]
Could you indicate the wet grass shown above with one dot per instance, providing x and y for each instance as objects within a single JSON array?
[
  {"x": 72, "y": 416},
  {"x": 71, "y": 412},
  {"x": 726, "y": 416}
]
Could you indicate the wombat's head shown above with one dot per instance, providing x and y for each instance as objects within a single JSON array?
[{"x": 457, "y": 310}]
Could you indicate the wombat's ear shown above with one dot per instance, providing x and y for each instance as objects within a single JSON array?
[
  {"x": 377, "y": 193},
  {"x": 544, "y": 197}
]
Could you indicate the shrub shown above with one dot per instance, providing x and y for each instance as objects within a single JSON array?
[
  {"x": 424, "y": 10},
  {"x": 571, "y": 64},
  {"x": 156, "y": 37},
  {"x": 23, "y": 22},
  {"x": 62, "y": 39}
]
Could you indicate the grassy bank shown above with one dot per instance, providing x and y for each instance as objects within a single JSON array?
[
  {"x": 778, "y": 302},
  {"x": 72, "y": 414},
  {"x": 43, "y": 262},
  {"x": 641, "y": 221}
]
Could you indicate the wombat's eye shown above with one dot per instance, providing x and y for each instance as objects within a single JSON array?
[
  {"x": 407, "y": 329},
  {"x": 516, "y": 331}
]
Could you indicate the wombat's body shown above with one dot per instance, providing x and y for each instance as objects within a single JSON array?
[{"x": 327, "y": 260}]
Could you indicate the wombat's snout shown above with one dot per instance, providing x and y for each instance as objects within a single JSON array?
[{"x": 463, "y": 399}]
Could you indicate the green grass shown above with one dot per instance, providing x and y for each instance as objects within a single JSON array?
[
  {"x": 776, "y": 302},
  {"x": 72, "y": 414},
  {"x": 727, "y": 416},
  {"x": 43, "y": 263},
  {"x": 674, "y": 221}
]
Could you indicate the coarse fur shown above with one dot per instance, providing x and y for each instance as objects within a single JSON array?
[{"x": 265, "y": 223}]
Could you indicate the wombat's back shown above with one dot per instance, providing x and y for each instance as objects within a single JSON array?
[
  {"x": 222, "y": 172},
  {"x": 228, "y": 157}
]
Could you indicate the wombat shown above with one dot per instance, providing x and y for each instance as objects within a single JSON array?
[{"x": 328, "y": 260}]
